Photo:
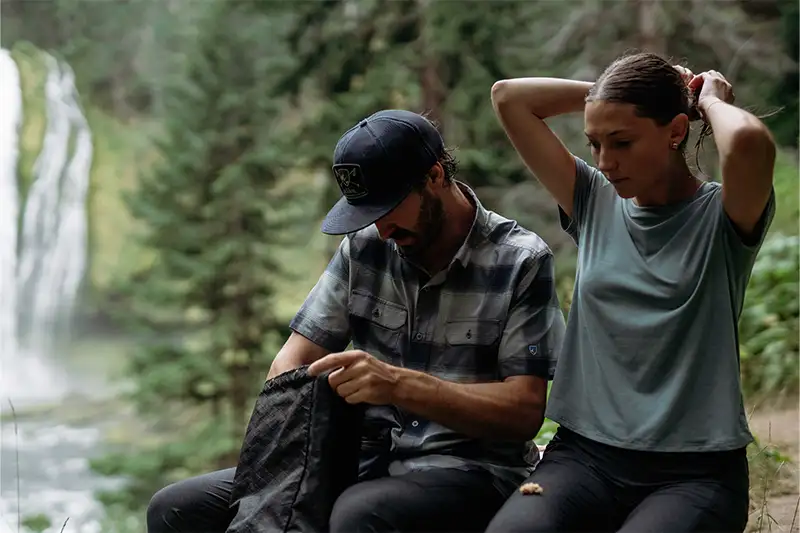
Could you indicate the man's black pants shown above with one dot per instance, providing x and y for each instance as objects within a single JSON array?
[
  {"x": 589, "y": 486},
  {"x": 422, "y": 501}
]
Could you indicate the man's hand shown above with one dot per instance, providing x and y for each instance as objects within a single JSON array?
[
  {"x": 359, "y": 378},
  {"x": 512, "y": 409}
]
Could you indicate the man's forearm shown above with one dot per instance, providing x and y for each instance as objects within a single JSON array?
[
  {"x": 491, "y": 410},
  {"x": 284, "y": 363},
  {"x": 296, "y": 352}
]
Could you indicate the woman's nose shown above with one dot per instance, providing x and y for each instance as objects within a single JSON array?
[{"x": 605, "y": 161}]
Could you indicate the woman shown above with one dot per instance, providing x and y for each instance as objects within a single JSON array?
[{"x": 652, "y": 430}]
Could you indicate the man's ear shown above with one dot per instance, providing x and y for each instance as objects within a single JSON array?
[{"x": 436, "y": 174}]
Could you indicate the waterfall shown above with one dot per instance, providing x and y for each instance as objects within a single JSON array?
[
  {"x": 10, "y": 123},
  {"x": 43, "y": 266}
]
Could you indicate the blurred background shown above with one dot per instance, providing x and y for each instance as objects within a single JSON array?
[{"x": 164, "y": 168}]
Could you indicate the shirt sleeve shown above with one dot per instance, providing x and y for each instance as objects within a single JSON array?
[
  {"x": 741, "y": 253},
  {"x": 586, "y": 182},
  {"x": 323, "y": 318},
  {"x": 748, "y": 248},
  {"x": 535, "y": 327}
]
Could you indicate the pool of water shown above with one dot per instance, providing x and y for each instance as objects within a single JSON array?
[
  {"x": 63, "y": 412},
  {"x": 44, "y": 470}
]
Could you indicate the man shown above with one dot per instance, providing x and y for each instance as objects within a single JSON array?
[{"x": 456, "y": 326}]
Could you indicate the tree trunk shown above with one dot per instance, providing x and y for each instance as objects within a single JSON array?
[
  {"x": 432, "y": 88},
  {"x": 433, "y": 94},
  {"x": 651, "y": 37},
  {"x": 240, "y": 398}
]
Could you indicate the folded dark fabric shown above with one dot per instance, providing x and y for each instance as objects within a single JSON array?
[
  {"x": 380, "y": 422},
  {"x": 300, "y": 452}
]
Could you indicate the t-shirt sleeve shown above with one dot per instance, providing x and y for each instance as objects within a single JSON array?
[
  {"x": 323, "y": 318},
  {"x": 746, "y": 249},
  {"x": 742, "y": 251},
  {"x": 535, "y": 327},
  {"x": 586, "y": 183}
]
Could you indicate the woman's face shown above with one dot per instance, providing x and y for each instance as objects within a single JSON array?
[{"x": 632, "y": 151}]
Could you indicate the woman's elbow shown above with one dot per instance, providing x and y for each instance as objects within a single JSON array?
[
  {"x": 502, "y": 93},
  {"x": 753, "y": 141}
]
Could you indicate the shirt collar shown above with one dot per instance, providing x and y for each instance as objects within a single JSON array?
[{"x": 477, "y": 232}]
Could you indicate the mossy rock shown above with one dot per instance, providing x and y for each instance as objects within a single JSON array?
[{"x": 33, "y": 75}]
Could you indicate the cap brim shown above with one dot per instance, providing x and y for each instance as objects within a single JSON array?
[{"x": 345, "y": 217}]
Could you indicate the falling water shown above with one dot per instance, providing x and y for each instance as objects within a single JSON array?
[
  {"x": 42, "y": 264},
  {"x": 53, "y": 251},
  {"x": 43, "y": 249},
  {"x": 10, "y": 123}
]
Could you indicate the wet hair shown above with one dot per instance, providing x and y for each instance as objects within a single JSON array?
[
  {"x": 656, "y": 89},
  {"x": 446, "y": 159}
]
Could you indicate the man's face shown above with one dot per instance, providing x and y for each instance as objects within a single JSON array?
[{"x": 416, "y": 223}]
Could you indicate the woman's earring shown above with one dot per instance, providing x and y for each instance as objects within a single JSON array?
[{"x": 674, "y": 146}]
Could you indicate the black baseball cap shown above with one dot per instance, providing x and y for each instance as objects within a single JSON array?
[{"x": 376, "y": 164}]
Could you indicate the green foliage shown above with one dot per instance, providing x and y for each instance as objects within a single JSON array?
[
  {"x": 785, "y": 125},
  {"x": 769, "y": 322},
  {"x": 36, "y": 523},
  {"x": 353, "y": 57},
  {"x": 119, "y": 519},
  {"x": 787, "y": 193},
  {"x": 439, "y": 58},
  {"x": 768, "y": 327},
  {"x": 768, "y": 478},
  {"x": 33, "y": 74},
  {"x": 442, "y": 58},
  {"x": 546, "y": 433},
  {"x": 253, "y": 93},
  {"x": 214, "y": 215},
  {"x": 203, "y": 441}
]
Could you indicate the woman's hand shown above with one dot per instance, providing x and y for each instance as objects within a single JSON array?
[
  {"x": 686, "y": 74},
  {"x": 712, "y": 86},
  {"x": 746, "y": 151}
]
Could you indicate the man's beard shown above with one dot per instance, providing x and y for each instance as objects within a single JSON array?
[{"x": 430, "y": 224}]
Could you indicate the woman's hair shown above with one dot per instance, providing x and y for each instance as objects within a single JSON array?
[{"x": 654, "y": 87}]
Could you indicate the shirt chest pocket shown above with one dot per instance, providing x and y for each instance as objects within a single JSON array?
[
  {"x": 470, "y": 350},
  {"x": 377, "y": 325}
]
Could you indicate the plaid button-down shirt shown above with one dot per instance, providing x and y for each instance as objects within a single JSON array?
[{"x": 491, "y": 314}]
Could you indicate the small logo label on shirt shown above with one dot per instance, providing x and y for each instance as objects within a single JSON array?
[{"x": 533, "y": 349}]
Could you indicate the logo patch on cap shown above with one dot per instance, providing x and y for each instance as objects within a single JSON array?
[{"x": 350, "y": 180}]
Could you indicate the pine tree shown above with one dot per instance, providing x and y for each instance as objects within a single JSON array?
[
  {"x": 439, "y": 58},
  {"x": 785, "y": 125},
  {"x": 358, "y": 56},
  {"x": 213, "y": 216}
]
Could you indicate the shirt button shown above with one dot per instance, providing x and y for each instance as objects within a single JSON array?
[
  {"x": 414, "y": 423},
  {"x": 418, "y": 336}
]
